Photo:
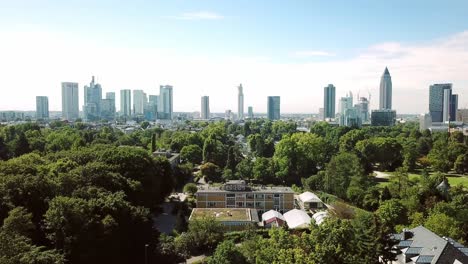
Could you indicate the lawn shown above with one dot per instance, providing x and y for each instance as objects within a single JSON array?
[
  {"x": 222, "y": 214},
  {"x": 454, "y": 180}
]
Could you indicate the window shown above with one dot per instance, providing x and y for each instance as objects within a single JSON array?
[
  {"x": 259, "y": 196},
  {"x": 269, "y": 196},
  {"x": 230, "y": 202},
  {"x": 231, "y": 195},
  {"x": 240, "y": 204},
  {"x": 211, "y": 204},
  {"x": 276, "y": 195},
  {"x": 250, "y": 196},
  {"x": 249, "y": 204},
  {"x": 240, "y": 195}
]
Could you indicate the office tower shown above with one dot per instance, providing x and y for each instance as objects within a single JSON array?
[
  {"x": 273, "y": 111},
  {"x": 363, "y": 105},
  {"x": 108, "y": 106},
  {"x": 329, "y": 101},
  {"x": 228, "y": 115},
  {"x": 42, "y": 107},
  {"x": 125, "y": 103},
  {"x": 386, "y": 90},
  {"x": 153, "y": 101},
  {"x": 436, "y": 100},
  {"x": 425, "y": 122},
  {"x": 383, "y": 117},
  {"x": 453, "y": 107},
  {"x": 139, "y": 101},
  {"x": 70, "y": 101},
  {"x": 240, "y": 103},
  {"x": 349, "y": 115},
  {"x": 92, "y": 101},
  {"x": 446, "y": 105},
  {"x": 165, "y": 110},
  {"x": 205, "y": 107},
  {"x": 251, "y": 114}
]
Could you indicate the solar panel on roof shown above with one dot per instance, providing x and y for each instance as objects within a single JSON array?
[
  {"x": 405, "y": 243},
  {"x": 413, "y": 251},
  {"x": 424, "y": 259}
]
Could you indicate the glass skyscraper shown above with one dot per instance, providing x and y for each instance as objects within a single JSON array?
[
  {"x": 42, "y": 107},
  {"x": 385, "y": 90},
  {"x": 329, "y": 101},
  {"x": 436, "y": 101},
  {"x": 273, "y": 111},
  {"x": 205, "y": 107},
  {"x": 70, "y": 101}
]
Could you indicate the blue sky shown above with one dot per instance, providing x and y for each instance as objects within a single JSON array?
[{"x": 273, "y": 34}]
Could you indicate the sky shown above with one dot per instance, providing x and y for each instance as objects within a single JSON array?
[{"x": 208, "y": 47}]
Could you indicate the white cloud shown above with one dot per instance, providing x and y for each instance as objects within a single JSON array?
[
  {"x": 34, "y": 63},
  {"x": 313, "y": 53},
  {"x": 201, "y": 15}
]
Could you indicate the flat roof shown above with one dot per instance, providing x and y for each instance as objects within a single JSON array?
[
  {"x": 225, "y": 214},
  {"x": 255, "y": 189}
]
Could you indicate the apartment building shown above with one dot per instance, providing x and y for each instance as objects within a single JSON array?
[{"x": 237, "y": 194}]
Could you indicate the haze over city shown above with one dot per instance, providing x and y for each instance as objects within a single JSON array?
[{"x": 209, "y": 47}]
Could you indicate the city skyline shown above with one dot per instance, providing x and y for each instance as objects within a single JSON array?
[{"x": 35, "y": 47}]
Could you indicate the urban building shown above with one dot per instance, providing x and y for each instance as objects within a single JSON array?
[
  {"x": 237, "y": 194},
  {"x": 420, "y": 245},
  {"x": 42, "y": 107},
  {"x": 462, "y": 115},
  {"x": 385, "y": 90},
  {"x": 125, "y": 103},
  {"x": 363, "y": 106},
  {"x": 153, "y": 101},
  {"x": 251, "y": 114},
  {"x": 273, "y": 111},
  {"x": 385, "y": 117},
  {"x": 92, "y": 101},
  {"x": 453, "y": 107},
  {"x": 240, "y": 103},
  {"x": 165, "y": 106},
  {"x": 437, "y": 98},
  {"x": 108, "y": 107},
  {"x": 139, "y": 102},
  {"x": 329, "y": 102},
  {"x": 349, "y": 116},
  {"x": 205, "y": 107},
  {"x": 230, "y": 218},
  {"x": 70, "y": 101},
  {"x": 425, "y": 122},
  {"x": 228, "y": 115}
]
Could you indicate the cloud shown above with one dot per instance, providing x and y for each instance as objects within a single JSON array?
[
  {"x": 313, "y": 53},
  {"x": 34, "y": 63},
  {"x": 201, "y": 15}
]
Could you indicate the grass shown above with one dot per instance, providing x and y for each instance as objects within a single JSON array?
[
  {"x": 222, "y": 214},
  {"x": 453, "y": 180}
]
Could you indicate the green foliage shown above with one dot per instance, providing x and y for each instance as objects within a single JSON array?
[
  {"x": 227, "y": 253},
  {"x": 211, "y": 172},
  {"x": 391, "y": 213},
  {"x": 191, "y": 153},
  {"x": 190, "y": 188}
]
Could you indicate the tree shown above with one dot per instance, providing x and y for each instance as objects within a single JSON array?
[
  {"x": 244, "y": 169},
  {"x": 211, "y": 172},
  {"x": 145, "y": 124},
  {"x": 153, "y": 142},
  {"x": 214, "y": 151},
  {"x": 391, "y": 213},
  {"x": 401, "y": 176},
  {"x": 190, "y": 188},
  {"x": 339, "y": 171},
  {"x": 443, "y": 225},
  {"x": 382, "y": 151},
  {"x": 262, "y": 170},
  {"x": 461, "y": 164},
  {"x": 226, "y": 253},
  {"x": 191, "y": 153}
]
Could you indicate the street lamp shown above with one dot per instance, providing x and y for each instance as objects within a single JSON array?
[{"x": 146, "y": 253}]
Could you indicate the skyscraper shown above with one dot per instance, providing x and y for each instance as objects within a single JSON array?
[
  {"x": 386, "y": 90},
  {"x": 165, "y": 110},
  {"x": 363, "y": 106},
  {"x": 205, "y": 107},
  {"x": 125, "y": 103},
  {"x": 139, "y": 102},
  {"x": 251, "y": 114},
  {"x": 273, "y": 111},
  {"x": 92, "y": 101},
  {"x": 240, "y": 103},
  {"x": 153, "y": 103},
  {"x": 446, "y": 105},
  {"x": 436, "y": 100},
  {"x": 453, "y": 107},
  {"x": 329, "y": 101},
  {"x": 70, "y": 101},
  {"x": 108, "y": 106},
  {"x": 42, "y": 107},
  {"x": 346, "y": 109}
]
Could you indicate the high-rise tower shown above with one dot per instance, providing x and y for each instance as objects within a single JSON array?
[
  {"x": 240, "y": 103},
  {"x": 439, "y": 95},
  {"x": 329, "y": 101},
  {"x": 205, "y": 107},
  {"x": 42, "y": 107},
  {"x": 125, "y": 103},
  {"x": 92, "y": 101},
  {"x": 70, "y": 100},
  {"x": 385, "y": 90},
  {"x": 273, "y": 111},
  {"x": 165, "y": 109}
]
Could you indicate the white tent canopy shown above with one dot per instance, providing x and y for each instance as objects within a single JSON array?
[
  {"x": 297, "y": 219},
  {"x": 308, "y": 197},
  {"x": 272, "y": 214}
]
